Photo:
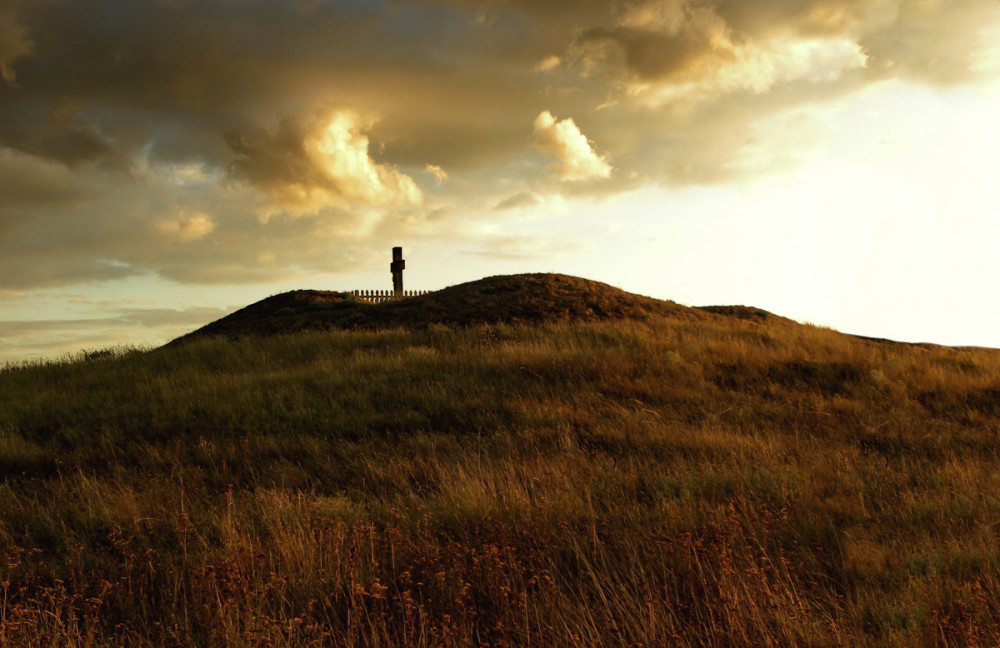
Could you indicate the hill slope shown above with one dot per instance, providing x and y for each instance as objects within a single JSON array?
[
  {"x": 686, "y": 479},
  {"x": 525, "y": 298}
]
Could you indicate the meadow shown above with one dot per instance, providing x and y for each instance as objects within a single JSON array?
[{"x": 657, "y": 481}]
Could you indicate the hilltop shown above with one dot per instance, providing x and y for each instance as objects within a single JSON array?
[{"x": 508, "y": 299}]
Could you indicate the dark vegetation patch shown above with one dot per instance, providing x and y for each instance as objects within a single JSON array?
[
  {"x": 828, "y": 378},
  {"x": 748, "y": 313},
  {"x": 947, "y": 404}
]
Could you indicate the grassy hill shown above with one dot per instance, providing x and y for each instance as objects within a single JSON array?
[
  {"x": 510, "y": 472},
  {"x": 510, "y": 299}
]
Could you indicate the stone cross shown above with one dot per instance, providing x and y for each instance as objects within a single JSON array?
[{"x": 397, "y": 266}]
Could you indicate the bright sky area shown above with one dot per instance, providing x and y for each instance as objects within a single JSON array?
[{"x": 829, "y": 162}]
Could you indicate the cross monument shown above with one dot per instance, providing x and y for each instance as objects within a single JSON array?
[{"x": 397, "y": 266}]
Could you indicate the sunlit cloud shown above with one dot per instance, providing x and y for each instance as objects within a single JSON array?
[
  {"x": 187, "y": 227},
  {"x": 679, "y": 49},
  {"x": 548, "y": 64},
  {"x": 757, "y": 69},
  {"x": 439, "y": 174},
  {"x": 6, "y": 295},
  {"x": 564, "y": 141},
  {"x": 320, "y": 160}
]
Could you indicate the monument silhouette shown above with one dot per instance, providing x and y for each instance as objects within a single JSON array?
[{"x": 396, "y": 267}]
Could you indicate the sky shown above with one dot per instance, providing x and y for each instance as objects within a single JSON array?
[{"x": 165, "y": 162}]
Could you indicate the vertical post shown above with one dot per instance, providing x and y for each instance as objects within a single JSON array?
[{"x": 397, "y": 266}]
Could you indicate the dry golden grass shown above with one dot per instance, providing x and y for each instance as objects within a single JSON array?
[{"x": 667, "y": 481}]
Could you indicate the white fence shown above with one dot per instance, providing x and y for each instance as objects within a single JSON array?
[{"x": 379, "y": 296}]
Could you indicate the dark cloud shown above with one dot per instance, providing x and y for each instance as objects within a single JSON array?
[
  {"x": 14, "y": 41},
  {"x": 453, "y": 82},
  {"x": 182, "y": 73},
  {"x": 70, "y": 143},
  {"x": 684, "y": 40},
  {"x": 40, "y": 269},
  {"x": 179, "y": 138},
  {"x": 26, "y": 181},
  {"x": 667, "y": 41}
]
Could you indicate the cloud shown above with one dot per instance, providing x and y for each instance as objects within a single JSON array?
[
  {"x": 713, "y": 44},
  {"x": 656, "y": 39},
  {"x": 160, "y": 317},
  {"x": 151, "y": 317},
  {"x": 187, "y": 227},
  {"x": 59, "y": 134},
  {"x": 306, "y": 6},
  {"x": 573, "y": 150},
  {"x": 322, "y": 160},
  {"x": 678, "y": 48},
  {"x": 12, "y": 295},
  {"x": 25, "y": 339},
  {"x": 26, "y": 180},
  {"x": 14, "y": 42},
  {"x": 517, "y": 201},
  {"x": 439, "y": 174},
  {"x": 121, "y": 127},
  {"x": 930, "y": 41},
  {"x": 548, "y": 64},
  {"x": 758, "y": 68}
]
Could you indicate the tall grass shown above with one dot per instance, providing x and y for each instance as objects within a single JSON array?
[{"x": 655, "y": 483}]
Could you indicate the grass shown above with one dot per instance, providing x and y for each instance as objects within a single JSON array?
[
  {"x": 689, "y": 481},
  {"x": 505, "y": 299}
]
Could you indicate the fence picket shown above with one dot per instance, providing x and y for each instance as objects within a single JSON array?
[{"x": 379, "y": 296}]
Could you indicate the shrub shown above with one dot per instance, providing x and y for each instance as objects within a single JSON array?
[
  {"x": 354, "y": 319},
  {"x": 320, "y": 306}
]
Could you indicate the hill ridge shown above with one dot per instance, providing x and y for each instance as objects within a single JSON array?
[{"x": 518, "y": 298}]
